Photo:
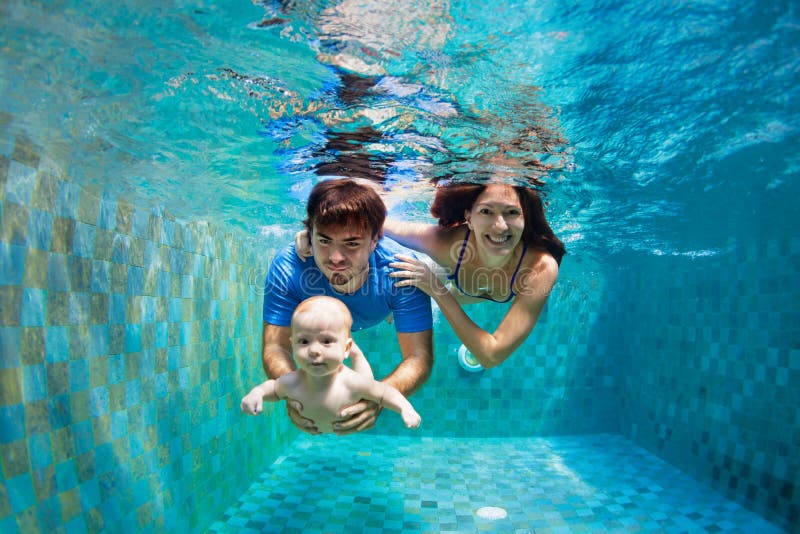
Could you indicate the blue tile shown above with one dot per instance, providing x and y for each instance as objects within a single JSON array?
[
  {"x": 98, "y": 398},
  {"x": 33, "y": 306},
  {"x": 78, "y": 375},
  {"x": 41, "y": 451},
  {"x": 122, "y": 249},
  {"x": 119, "y": 424},
  {"x": 133, "y": 393},
  {"x": 84, "y": 436},
  {"x": 116, "y": 368},
  {"x": 99, "y": 338},
  {"x": 20, "y": 183},
  {"x": 101, "y": 281},
  {"x": 133, "y": 337},
  {"x": 117, "y": 308},
  {"x": 148, "y": 307},
  {"x": 34, "y": 383},
  {"x": 57, "y": 274},
  {"x": 20, "y": 492},
  {"x": 76, "y": 525},
  {"x": 162, "y": 336},
  {"x": 90, "y": 494},
  {"x": 56, "y": 344},
  {"x": 12, "y": 263},
  {"x": 104, "y": 458},
  {"x": 40, "y": 229},
  {"x": 141, "y": 218},
  {"x": 9, "y": 347},
  {"x": 83, "y": 240},
  {"x": 12, "y": 423},
  {"x": 135, "y": 280},
  {"x": 66, "y": 476},
  {"x": 107, "y": 214},
  {"x": 59, "y": 411},
  {"x": 67, "y": 200}
]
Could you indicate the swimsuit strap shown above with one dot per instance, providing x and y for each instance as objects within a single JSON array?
[{"x": 454, "y": 276}]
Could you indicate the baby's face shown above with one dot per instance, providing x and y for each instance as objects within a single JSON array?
[{"x": 320, "y": 344}]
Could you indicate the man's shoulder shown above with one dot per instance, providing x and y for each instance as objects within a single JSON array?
[{"x": 386, "y": 251}]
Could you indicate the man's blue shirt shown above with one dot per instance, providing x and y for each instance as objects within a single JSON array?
[{"x": 291, "y": 280}]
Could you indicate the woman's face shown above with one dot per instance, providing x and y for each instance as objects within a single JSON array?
[{"x": 496, "y": 219}]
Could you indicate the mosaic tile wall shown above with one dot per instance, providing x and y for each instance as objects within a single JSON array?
[
  {"x": 127, "y": 338},
  {"x": 711, "y": 379},
  {"x": 562, "y": 380}
]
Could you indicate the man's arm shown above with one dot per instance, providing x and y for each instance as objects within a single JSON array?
[
  {"x": 276, "y": 350},
  {"x": 417, "y": 351}
]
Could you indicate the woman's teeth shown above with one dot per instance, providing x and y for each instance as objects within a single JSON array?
[{"x": 499, "y": 240}]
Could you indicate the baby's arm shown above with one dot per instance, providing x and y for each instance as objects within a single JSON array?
[
  {"x": 253, "y": 402},
  {"x": 359, "y": 361},
  {"x": 389, "y": 396}
]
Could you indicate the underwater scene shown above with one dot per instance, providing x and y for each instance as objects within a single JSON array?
[{"x": 157, "y": 158}]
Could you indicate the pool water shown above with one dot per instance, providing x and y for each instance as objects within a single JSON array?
[{"x": 154, "y": 156}]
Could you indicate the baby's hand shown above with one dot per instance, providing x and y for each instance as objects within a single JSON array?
[
  {"x": 302, "y": 244},
  {"x": 411, "y": 418},
  {"x": 252, "y": 403}
]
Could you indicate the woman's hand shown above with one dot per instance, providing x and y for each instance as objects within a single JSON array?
[
  {"x": 416, "y": 273},
  {"x": 302, "y": 244}
]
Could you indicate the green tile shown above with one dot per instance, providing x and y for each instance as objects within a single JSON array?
[
  {"x": 98, "y": 371},
  {"x": 124, "y": 216},
  {"x": 80, "y": 406},
  {"x": 36, "y": 268},
  {"x": 116, "y": 397},
  {"x": 15, "y": 459},
  {"x": 37, "y": 418},
  {"x": 57, "y": 308},
  {"x": 14, "y": 227},
  {"x": 119, "y": 278},
  {"x": 5, "y": 505},
  {"x": 63, "y": 444},
  {"x": 32, "y": 347},
  {"x": 70, "y": 504},
  {"x": 26, "y": 152},
  {"x": 80, "y": 274},
  {"x": 44, "y": 483},
  {"x": 10, "y": 386},
  {"x": 98, "y": 308},
  {"x": 57, "y": 378},
  {"x": 45, "y": 192},
  {"x": 63, "y": 235},
  {"x": 28, "y": 520},
  {"x": 88, "y": 206},
  {"x": 10, "y": 305},
  {"x": 103, "y": 244}
]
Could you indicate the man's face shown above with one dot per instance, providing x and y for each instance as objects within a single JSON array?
[{"x": 342, "y": 254}]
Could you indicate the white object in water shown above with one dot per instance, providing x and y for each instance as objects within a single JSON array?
[
  {"x": 468, "y": 361},
  {"x": 491, "y": 512}
]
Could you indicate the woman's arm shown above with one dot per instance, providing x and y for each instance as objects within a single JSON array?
[
  {"x": 416, "y": 236},
  {"x": 490, "y": 349}
]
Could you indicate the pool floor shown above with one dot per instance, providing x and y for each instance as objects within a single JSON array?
[{"x": 388, "y": 484}]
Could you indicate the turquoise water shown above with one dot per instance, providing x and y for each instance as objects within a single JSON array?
[{"x": 153, "y": 155}]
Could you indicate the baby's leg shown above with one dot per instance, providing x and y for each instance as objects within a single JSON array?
[{"x": 359, "y": 361}]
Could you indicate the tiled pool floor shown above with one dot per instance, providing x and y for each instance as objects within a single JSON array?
[{"x": 384, "y": 484}]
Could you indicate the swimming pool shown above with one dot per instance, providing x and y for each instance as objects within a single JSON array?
[{"x": 153, "y": 156}]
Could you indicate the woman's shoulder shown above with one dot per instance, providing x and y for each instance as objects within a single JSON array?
[
  {"x": 447, "y": 243},
  {"x": 539, "y": 270}
]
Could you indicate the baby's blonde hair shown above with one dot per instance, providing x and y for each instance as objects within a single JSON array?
[{"x": 328, "y": 305}]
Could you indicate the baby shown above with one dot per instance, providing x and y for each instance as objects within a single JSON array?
[{"x": 322, "y": 383}]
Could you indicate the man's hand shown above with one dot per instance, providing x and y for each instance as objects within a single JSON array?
[
  {"x": 357, "y": 417},
  {"x": 294, "y": 407}
]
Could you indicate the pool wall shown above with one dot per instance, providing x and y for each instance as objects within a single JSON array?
[
  {"x": 710, "y": 369},
  {"x": 128, "y": 338}
]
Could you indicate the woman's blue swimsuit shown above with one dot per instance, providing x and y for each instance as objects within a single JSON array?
[{"x": 454, "y": 276}]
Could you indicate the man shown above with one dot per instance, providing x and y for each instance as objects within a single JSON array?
[{"x": 351, "y": 263}]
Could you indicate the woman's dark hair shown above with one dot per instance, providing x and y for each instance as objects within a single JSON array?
[
  {"x": 340, "y": 202},
  {"x": 452, "y": 200}
]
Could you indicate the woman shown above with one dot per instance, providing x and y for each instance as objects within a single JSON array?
[{"x": 495, "y": 243}]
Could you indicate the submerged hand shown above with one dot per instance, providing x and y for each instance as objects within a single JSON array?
[
  {"x": 302, "y": 244},
  {"x": 252, "y": 403},
  {"x": 416, "y": 273},
  {"x": 294, "y": 407},
  {"x": 357, "y": 417}
]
